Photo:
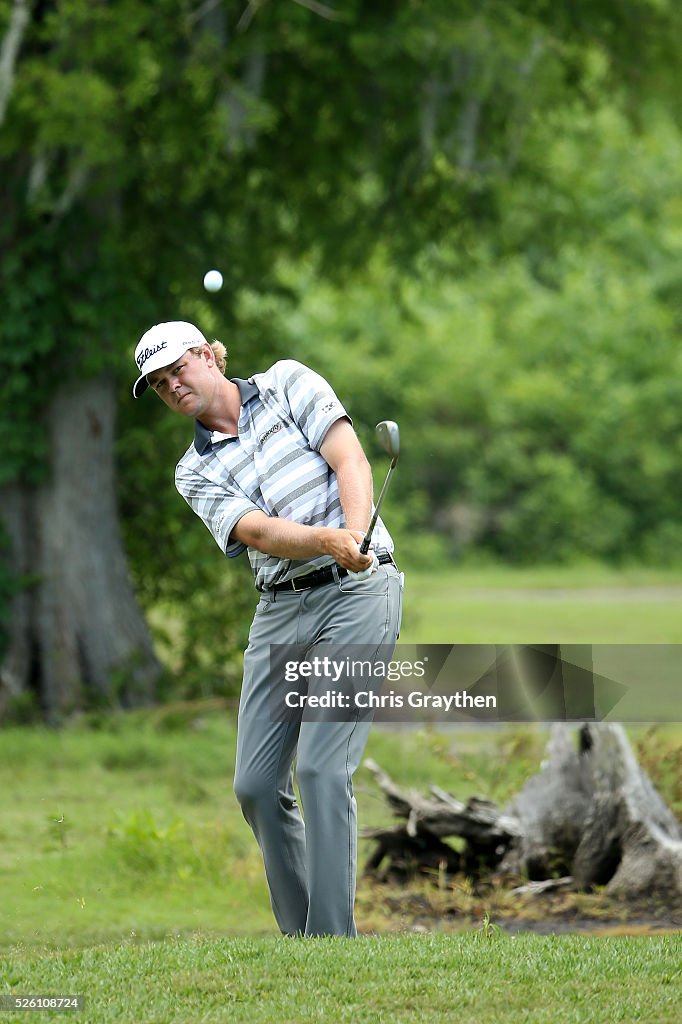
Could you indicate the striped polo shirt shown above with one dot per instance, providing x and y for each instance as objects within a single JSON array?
[{"x": 273, "y": 464}]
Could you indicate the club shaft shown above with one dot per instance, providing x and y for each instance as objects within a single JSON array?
[{"x": 364, "y": 547}]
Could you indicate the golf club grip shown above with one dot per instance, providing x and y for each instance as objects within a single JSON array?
[{"x": 364, "y": 547}]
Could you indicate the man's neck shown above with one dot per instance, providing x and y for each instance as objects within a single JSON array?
[{"x": 223, "y": 413}]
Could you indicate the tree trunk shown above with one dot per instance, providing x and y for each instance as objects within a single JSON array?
[
  {"x": 631, "y": 841},
  {"x": 15, "y": 670},
  {"x": 552, "y": 808},
  {"x": 76, "y": 634},
  {"x": 594, "y": 814}
]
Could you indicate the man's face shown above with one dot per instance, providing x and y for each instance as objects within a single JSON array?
[{"x": 187, "y": 385}]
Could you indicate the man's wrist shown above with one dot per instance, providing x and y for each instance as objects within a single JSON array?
[{"x": 322, "y": 539}]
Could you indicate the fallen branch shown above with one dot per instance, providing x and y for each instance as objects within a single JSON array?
[{"x": 486, "y": 831}]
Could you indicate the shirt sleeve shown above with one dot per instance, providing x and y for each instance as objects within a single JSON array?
[
  {"x": 311, "y": 400},
  {"x": 217, "y": 505}
]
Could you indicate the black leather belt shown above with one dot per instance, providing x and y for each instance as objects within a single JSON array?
[{"x": 322, "y": 576}]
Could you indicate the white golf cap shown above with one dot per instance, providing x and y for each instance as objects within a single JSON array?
[{"x": 160, "y": 346}]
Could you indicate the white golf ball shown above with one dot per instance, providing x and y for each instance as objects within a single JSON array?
[{"x": 213, "y": 281}]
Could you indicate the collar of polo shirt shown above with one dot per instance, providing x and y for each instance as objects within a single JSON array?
[{"x": 203, "y": 438}]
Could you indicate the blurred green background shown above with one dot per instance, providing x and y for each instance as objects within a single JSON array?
[{"x": 467, "y": 215}]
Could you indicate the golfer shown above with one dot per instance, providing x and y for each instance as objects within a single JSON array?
[{"x": 276, "y": 470}]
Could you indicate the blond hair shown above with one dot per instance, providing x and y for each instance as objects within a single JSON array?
[{"x": 219, "y": 351}]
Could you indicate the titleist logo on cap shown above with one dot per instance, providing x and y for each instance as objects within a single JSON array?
[{"x": 147, "y": 353}]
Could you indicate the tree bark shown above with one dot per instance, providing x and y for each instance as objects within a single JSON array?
[
  {"x": 76, "y": 634},
  {"x": 15, "y": 670},
  {"x": 631, "y": 841},
  {"x": 552, "y": 808},
  {"x": 593, "y": 813}
]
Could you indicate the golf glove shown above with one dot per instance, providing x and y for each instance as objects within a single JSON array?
[{"x": 366, "y": 573}]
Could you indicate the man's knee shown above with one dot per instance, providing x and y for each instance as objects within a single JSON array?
[
  {"x": 251, "y": 790},
  {"x": 334, "y": 781}
]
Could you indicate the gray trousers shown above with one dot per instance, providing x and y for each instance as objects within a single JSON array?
[{"x": 310, "y": 868}]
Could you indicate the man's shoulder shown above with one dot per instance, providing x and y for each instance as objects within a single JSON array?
[
  {"x": 280, "y": 373},
  {"x": 188, "y": 463}
]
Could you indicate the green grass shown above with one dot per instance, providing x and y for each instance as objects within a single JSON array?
[
  {"x": 132, "y": 830},
  {"x": 589, "y": 604},
  {"x": 135, "y": 831},
  {"x": 581, "y": 575},
  {"x": 479, "y": 977},
  {"x": 127, "y": 872}
]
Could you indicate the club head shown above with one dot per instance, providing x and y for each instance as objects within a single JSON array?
[{"x": 389, "y": 437}]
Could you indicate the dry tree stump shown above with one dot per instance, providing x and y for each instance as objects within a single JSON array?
[{"x": 589, "y": 817}]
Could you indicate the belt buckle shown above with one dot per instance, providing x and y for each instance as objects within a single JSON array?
[{"x": 297, "y": 590}]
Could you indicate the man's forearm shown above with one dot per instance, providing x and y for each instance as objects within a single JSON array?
[
  {"x": 342, "y": 451},
  {"x": 354, "y": 479},
  {"x": 281, "y": 537},
  {"x": 287, "y": 539}
]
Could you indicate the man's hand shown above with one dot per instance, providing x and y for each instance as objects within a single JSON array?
[
  {"x": 344, "y": 547},
  {"x": 364, "y": 574}
]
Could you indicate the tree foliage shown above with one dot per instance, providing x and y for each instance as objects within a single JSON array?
[{"x": 464, "y": 213}]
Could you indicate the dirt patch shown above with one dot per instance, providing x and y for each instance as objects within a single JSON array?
[
  {"x": 585, "y": 926},
  {"x": 455, "y": 909}
]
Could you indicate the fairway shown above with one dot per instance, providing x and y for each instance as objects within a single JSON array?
[
  {"x": 630, "y": 618},
  {"x": 578, "y": 605}
]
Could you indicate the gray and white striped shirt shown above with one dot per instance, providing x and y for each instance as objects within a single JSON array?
[{"x": 272, "y": 464}]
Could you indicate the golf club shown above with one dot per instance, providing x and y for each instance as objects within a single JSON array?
[{"x": 389, "y": 438}]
